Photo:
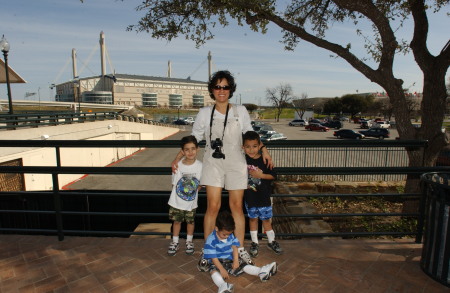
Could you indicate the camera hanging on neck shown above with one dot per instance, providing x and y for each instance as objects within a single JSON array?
[{"x": 217, "y": 144}]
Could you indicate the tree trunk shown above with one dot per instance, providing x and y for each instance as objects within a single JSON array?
[{"x": 433, "y": 111}]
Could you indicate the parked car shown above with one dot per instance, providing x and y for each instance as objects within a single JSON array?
[
  {"x": 298, "y": 122},
  {"x": 336, "y": 124},
  {"x": 180, "y": 122},
  {"x": 264, "y": 128},
  {"x": 314, "y": 121},
  {"x": 381, "y": 124},
  {"x": 257, "y": 123},
  {"x": 366, "y": 124},
  {"x": 266, "y": 132},
  {"x": 274, "y": 136},
  {"x": 257, "y": 128},
  {"x": 348, "y": 133},
  {"x": 380, "y": 133},
  {"x": 316, "y": 126},
  {"x": 189, "y": 120}
]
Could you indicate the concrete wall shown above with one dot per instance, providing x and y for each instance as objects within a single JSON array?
[{"x": 91, "y": 157}]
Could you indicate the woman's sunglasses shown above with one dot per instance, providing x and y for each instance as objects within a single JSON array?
[{"x": 225, "y": 87}]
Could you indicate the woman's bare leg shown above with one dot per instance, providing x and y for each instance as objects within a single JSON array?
[
  {"x": 214, "y": 197},
  {"x": 236, "y": 203}
]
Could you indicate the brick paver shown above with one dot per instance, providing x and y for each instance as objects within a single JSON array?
[{"x": 89, "y": 264}]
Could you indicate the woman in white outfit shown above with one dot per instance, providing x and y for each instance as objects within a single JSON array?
[{"x": 224, "y": 165}]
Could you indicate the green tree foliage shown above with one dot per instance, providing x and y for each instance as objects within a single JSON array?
[
  {"x": 333, "y": 106},
  {"x": 354, "y": 104},
  {"x": 250, "y": 107}
]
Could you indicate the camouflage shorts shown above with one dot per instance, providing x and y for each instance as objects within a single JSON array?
[{"x": 178, "y": 215}]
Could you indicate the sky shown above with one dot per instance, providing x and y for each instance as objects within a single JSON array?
[{"x": 42, "y": 34}]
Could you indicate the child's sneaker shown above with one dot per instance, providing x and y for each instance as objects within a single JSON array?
[
  {"x": 254, "y": 249},
  {"x": 243, "y": 254},
  {"x": 173, "y": 248},
  {"x": 226, "y": 288},
  {"x": 275, "y": 246},
  {"x": 267, "y": 271},
  {"x": 203, "y": 264},
  {"x": 189, "y": 247}
]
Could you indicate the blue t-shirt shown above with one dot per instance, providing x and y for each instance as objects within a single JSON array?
[{"x": 215, "y": 248}]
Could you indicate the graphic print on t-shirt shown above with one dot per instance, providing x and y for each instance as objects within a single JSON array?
[
  {"x": 253, "y": 183},
  {"x": 187, "y": 187}
]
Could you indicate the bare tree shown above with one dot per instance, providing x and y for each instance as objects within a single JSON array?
[
  {"x": 301, "y": 104},
  {"x": 280, "y": 97}
]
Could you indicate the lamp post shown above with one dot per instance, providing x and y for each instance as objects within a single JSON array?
[
  {"x": 4, "y": 46},
  {"x": 179, "y": 107}
]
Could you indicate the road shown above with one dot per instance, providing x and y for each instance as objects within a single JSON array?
[{"x": 151, "y": 157}]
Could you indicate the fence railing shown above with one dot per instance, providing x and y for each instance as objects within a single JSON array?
[
  {"x": 60, "y": 209},
  {"x": 39, "y": 119}
]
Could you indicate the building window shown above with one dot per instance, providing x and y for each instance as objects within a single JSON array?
[
  {"x": 150, "y": 99},
  {"x": 198, "y": 101},
  {"x": 175, "y": 100},
  {"x": 97, "y": 97}
]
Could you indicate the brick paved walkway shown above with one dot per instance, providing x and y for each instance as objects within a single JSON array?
[{"x": 77, "y": 264}]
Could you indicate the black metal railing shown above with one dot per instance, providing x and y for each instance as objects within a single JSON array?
[
  {"x": 39, "y": 119},
  {"x": 59, "y": 207}
]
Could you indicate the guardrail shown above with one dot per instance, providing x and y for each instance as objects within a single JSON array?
[
  {"x": 60, "y": 205},
  {"x": 14, "y": 121},
  {"x": 39, "y": 119}
]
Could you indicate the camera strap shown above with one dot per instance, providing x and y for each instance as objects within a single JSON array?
[{"x": 212, "y": 118}]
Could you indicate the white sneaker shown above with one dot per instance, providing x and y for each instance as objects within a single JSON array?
[
  {"x": 173, "y": 248},
  {"x": 226, "y": 288},
  {"x": 189, "y": 247},
  {"x": 203, "y": 264},
  {"x": 267, "y": 271},
  {"x": 246, "y": 257}
]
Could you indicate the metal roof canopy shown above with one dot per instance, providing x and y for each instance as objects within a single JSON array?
[{"x": 13, "y": 76}]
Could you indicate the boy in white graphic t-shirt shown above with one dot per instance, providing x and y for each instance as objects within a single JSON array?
[{"x": 184, "y": 196}]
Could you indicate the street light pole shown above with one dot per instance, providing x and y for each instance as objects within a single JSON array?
[{"x": 4, "y": 46}]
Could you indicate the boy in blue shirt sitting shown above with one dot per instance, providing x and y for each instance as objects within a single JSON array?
[{"x": 221, "y": 252}]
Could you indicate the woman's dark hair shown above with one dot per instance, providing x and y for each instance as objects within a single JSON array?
[
  {"x": 187, "y": 139},
  {"x": 217, "y": 77},
  {"x": 225, "y": 221}
]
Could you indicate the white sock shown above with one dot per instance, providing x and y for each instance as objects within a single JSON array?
[
  {"x": 252, "y": 270},
  {"x": 254, "y": 235},
  {"x": 189, "y": 238},
  {"x": 176, "y": 239},
  {"x": 270, "y": 236},
  {"x": 217, "y": 278}
]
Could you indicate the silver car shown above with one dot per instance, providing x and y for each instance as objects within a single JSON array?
[{"x": 298, "y": 122}]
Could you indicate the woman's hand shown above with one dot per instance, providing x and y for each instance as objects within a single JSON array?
[
  {"x": 174, "y": 165},
  {"x": 267, "y": 159}
]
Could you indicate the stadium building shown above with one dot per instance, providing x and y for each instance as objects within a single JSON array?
[{"x": 133, "y": 90}]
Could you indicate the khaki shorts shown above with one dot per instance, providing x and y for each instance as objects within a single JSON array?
[{"x": 181, "y": 216}]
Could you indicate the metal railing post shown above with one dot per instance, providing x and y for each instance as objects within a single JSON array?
[{"x": 57, "y": 197}]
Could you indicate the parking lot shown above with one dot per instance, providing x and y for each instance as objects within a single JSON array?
[{"x": 299, "y": 132}]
